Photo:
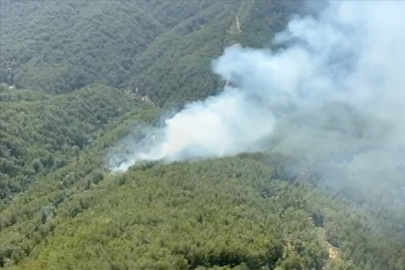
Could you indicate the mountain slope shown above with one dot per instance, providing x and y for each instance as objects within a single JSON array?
[{"x": 59, "y": 47}]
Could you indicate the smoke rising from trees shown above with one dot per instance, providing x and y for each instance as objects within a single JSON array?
[{"x": 333, "y": 93}]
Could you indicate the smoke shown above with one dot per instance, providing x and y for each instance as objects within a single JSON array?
[
  {"x": 334, "y": 93},
  {"x": 214, "y": 128}
]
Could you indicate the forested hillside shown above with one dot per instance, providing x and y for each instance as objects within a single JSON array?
[
  {"x": 84, "y": 80},
  {"x": 156, "y": 48}
]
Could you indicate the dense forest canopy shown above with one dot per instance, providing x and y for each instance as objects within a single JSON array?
[{"x": 85, "y": 83}]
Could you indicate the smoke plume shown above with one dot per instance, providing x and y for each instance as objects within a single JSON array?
[{"x": 334, "y": 92}]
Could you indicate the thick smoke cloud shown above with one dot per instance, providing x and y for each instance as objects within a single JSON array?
[{"x": 334, "y": 93}]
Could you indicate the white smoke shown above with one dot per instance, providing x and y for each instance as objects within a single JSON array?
[
  {"x": 214, "y": 128},
  {"x": 352, "y": 53}
]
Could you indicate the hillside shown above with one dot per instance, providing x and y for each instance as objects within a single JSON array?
[
  {"x": 155, "y": 48},
  {"x": 85, "y": 85}
]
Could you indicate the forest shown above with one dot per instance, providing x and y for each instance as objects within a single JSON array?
[{"x": 78, "y": 78}]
